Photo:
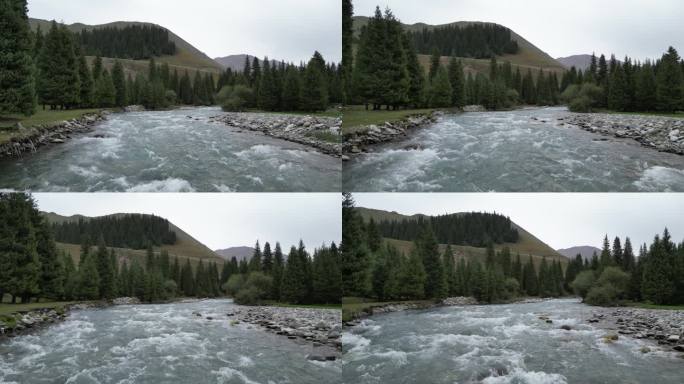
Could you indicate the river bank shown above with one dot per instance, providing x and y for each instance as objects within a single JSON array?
[
  {"x": 316, "y": 132},
  {"x": 30, "y": 139},
  {"x": 360, "y": 140},
  {"x": 665, "y": 134},
  {"x": 663, "y": 327},
  {"x": 23, "y": 322}
]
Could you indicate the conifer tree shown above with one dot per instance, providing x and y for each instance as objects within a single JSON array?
[
  {"x": 669, "y": 89},
  {"x": 413, "y": 277},
  {"x": 347, "y": 54},
  {"x": 292, "y": 90},
  {"x": 646, "y": 88},
  {"x": 255, "y": 261},
  {"x": 17, "y": 79},
  {"x": 97, "y": 68},
  {"x": 119, "y": 82},
  {"x": 440, "y": 92},
  {"x": 457, "y": 80},
  {"x": 434, "y": 64},
  {"x": 354, "y": 252},
  {"x": 314, "y": 90},
  {"x": 89, "y": 280},
  {"x": 86, "y": 81},
  {"x": 293, "y": 288},
  {"x": 278, "y": 267},
  {"x": 104, "y": 94},
  {"x": 436, "y": 279},
  {"x": 268, "y": 91},
  {"x": 58, "y": 80}
]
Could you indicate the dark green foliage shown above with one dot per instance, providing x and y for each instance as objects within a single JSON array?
[
  {"x": 427, "y": 249},
  {"x": 134, "y": 42},
  {"x": 119, "y": 84},
  {"x": 235, "y": 98},
  {"x": 457, "y": 80},
  {"x": 440, "y": 92},
  {"x": 134, "y": 231},
  {"x": 475, "y": 40},
  {"x": 87, "y": 84},
  {"x": 104, "y": 92},
  {"x": 17, "y": 80},
  {"x": 315, "y": 88},
  {"x": 669, "y": 81},
  {"x": 58, "y": 80},
  {"x": 354, "y": 252},
  {"x": 326, "y": 276},
  {"x": 474, "y": 229},
  {"x": 294, "y": 282}
]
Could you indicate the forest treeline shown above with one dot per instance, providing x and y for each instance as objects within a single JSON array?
[
  {"x": 135, "y": 42},
  {"x": 374, "y": 268},
  {"x": 628, "y": 85},
  {"x": 134, "y": 231},
  {"x": 32, "y": 267},
  {"x": 385, "y": 71},
  {"x": 278, "y": 86},
  {"x": 476, "y": 229},
  {"x": 479, "y": 41},
  {"x": 617, "y": 275},
  {"x": 51, "y": 69},
  {"x": 296, "y": 278}
]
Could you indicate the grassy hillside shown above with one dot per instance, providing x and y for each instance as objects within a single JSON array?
[
  {"x": 528, "y": 56},
  {"x": 187, "y": 57},
  {"x": 186, "y": 247},
  {"x": 527, "y": 244}
]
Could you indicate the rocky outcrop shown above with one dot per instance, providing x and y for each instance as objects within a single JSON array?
[
  {"x": 321, "y": 133},
  {"x": 664, "y": 134},
  {"x": 319, "y": 327},
  {"x": 26, "y": 321},
  {"x": 665, "y": 327},
  {"x": 30, "y": 139},
  {"x": 126, "y": 301},
  {"x": 359, "y": 141}
]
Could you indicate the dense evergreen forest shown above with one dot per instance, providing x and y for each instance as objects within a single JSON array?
[
  {"x": 277, "y": 86},
  {"x": 51, "y": 69},
  {"x": 473, "y": 228},
  {"x": 627, "y": 85},
  {"x": 617, "y": 275},
  {"x": 479, "y": 41},
  {"x": 134, "y": 42},
  {"x": 134, "y": 231},
  {"x": 386, "y": 72},
  {"x": 32, "y": 267},
  {"x": 373, "y": 268}
]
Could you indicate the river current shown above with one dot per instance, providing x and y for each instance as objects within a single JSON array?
[
  {"x": 163, "y": 343},
  {"x": 527, "y": 150},
  {"x": 172, "y": 151},
  {"x": 499, "y": 344}
]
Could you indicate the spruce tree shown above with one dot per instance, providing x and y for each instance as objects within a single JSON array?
[
  {"x": 255, "y": 261},
  {"x": 105, "y": 271},
  {"x": 119, "y": 82},
  {"x": 457, "y": 80},
  {"x": 86, "y": 79},
  {"x": 278, "y": 267},
  {"x": 669, "y": 77},
  {"x": 434, "y": 64},
  {"x": 412, "y": 277},
  {"x": 89, "y": 280},
  {"x": 58, "y": 80},
  {"x": 354, "y": 252},
  {"x": 347, "y": 54},
  {"x": 646, "y": 97},
  {"x": 314, "y": 91},
  {"x": 17, "y": 78},
  {"x": 440, "y": 92},
  {"x": 293, "y": 287},
  {"x": 292, "y": 90},
  {"x": 436, "y": 279},
  {"x": 268, "y": 90}
]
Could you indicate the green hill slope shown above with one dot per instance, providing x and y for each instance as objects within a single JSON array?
[
  {"x": 529, "y": 56},
  {"x": 186, "y": 246},
  {"x": 187, "y": 57},
  {"x": 528, "y": 244}
]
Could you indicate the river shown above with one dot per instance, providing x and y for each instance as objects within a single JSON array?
[
  {"x": 162, "y": 343},
  {"x": 525, "y": 150},
  {"x": 172, "y": 151},
  {"x": 499, "y": 344}
]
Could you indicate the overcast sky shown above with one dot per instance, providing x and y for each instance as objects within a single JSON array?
[
  {"x": 285, "y": 30},
  {"x": 638, "y": 28},
  {"x": 220, "y": 220},
  {"x": 561, "y": 220}
]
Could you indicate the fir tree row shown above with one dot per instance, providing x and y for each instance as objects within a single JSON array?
[
  {"x": 617, "y": 275},
  {"x": 277, "y": 86},
  {"x": 298, "y": 278},
  {"x": 134, "y": 42},
  {"x": 135, "y": 231},
  {"x": 627, "y": 85},
  {"x": 479, "y": 41}
]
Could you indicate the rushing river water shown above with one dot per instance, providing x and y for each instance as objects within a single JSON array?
[
  {"x": 511, "y": 151},
  {"x": 498, "y": 344},
  {"x": 167, "y": 151},
  {"x": 159, "y": 344}
]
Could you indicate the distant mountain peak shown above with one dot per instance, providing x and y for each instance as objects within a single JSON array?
[
  {"x": 587, "y": 251},
  {"x": 240, "y": 253}
]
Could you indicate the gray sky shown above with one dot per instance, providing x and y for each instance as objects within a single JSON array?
[
  {"x": 285, "y": 30},
  {"x": 638, "y": 28},
  {"x": 561, "y": 220},
  {"x": 220, "y": 220}
]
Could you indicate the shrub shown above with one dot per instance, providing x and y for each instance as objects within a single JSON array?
[
  {"x": 615, "y": 277},
  {"x": 582, "y": 283},
  {"x": 235, "y": 98},
  {"x": 248, "y": 296},
  {"x": 234, "y": 284},
  {"x": 605, "y": 295},
  {"x": 512, "y": 287},
  {"x": 580, "y": 104}
]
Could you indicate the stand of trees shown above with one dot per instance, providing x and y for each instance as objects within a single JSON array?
[
  {"x": 616, "y": 275},
  {"x": 479, "y": 41},
  {"x": 135, "y": 231},
  {"x": 277, "y": 86},
  {"x": 628, "y": 85},
  {"x": 474, "y": 228},
  {"x": 17, "y": 83},
  {"x": 134, "y": 42},
  {"x": 297, "y": 278},
  {"x": 372, "y": 268}
]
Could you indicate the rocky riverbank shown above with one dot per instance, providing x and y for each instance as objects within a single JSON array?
[
  {"x": 319, "y": 328},
  {"x": 372, "y": 310},
  {"x": 664, "y": 134},
  {"x": 361, "y": 140},
  {"x": 664, "y": 327},
  {"x": 31, "y": 139},
  {"x": 321, "y": 133},
  {"x": 24, "y": 322}
]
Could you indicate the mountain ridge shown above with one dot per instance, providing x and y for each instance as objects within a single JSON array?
[{"x": 587, "y": 251}]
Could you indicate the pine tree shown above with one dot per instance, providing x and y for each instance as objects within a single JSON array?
[
  {"x": 293, "y": 288},
  {"x": 267, "y": 259},
  {"x": 347, "y": 54},
  {"x": 457, "y": 80},
  {"x": 669, "y": 80},
  {"x": 646, "y": 88},
  {"x": 396, "y": 63},
  {"x": 105, "y": 272},
  {"x": 97, "y": 68},
  {"x": 434, "y": 64},
  {"x": 17, "y": 79},
  {"x": 268, "y": 90},
  {"x": 185, "y": 93},
  {"x": 453, "y": 284},
  {"x": 657, "y": 285},
  {"x": 119, "y": 82},
  {"x": 89, "y": 280},
  {"x": 292, "y": 90},
  {"x": 255, "y": 261},
  {"x": 314, "y": 90},
  {"x": 416, "y": 74},
  {"x": 104, "y": 94},
  {"x": 86, "y": 79},
  {"x": 606, "y": 259},
  {"x": 413, "y": 277},
  {"x": 278, "y": 267},
  {"x": 436, "y": 279},
  {"x": 617, "y": 93},
  {"x": 617, "y": 252},
  {"x": 440, "y": 92},
  {"x": 58, "y": 80},
  {"x": 355, "y": 254}
]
